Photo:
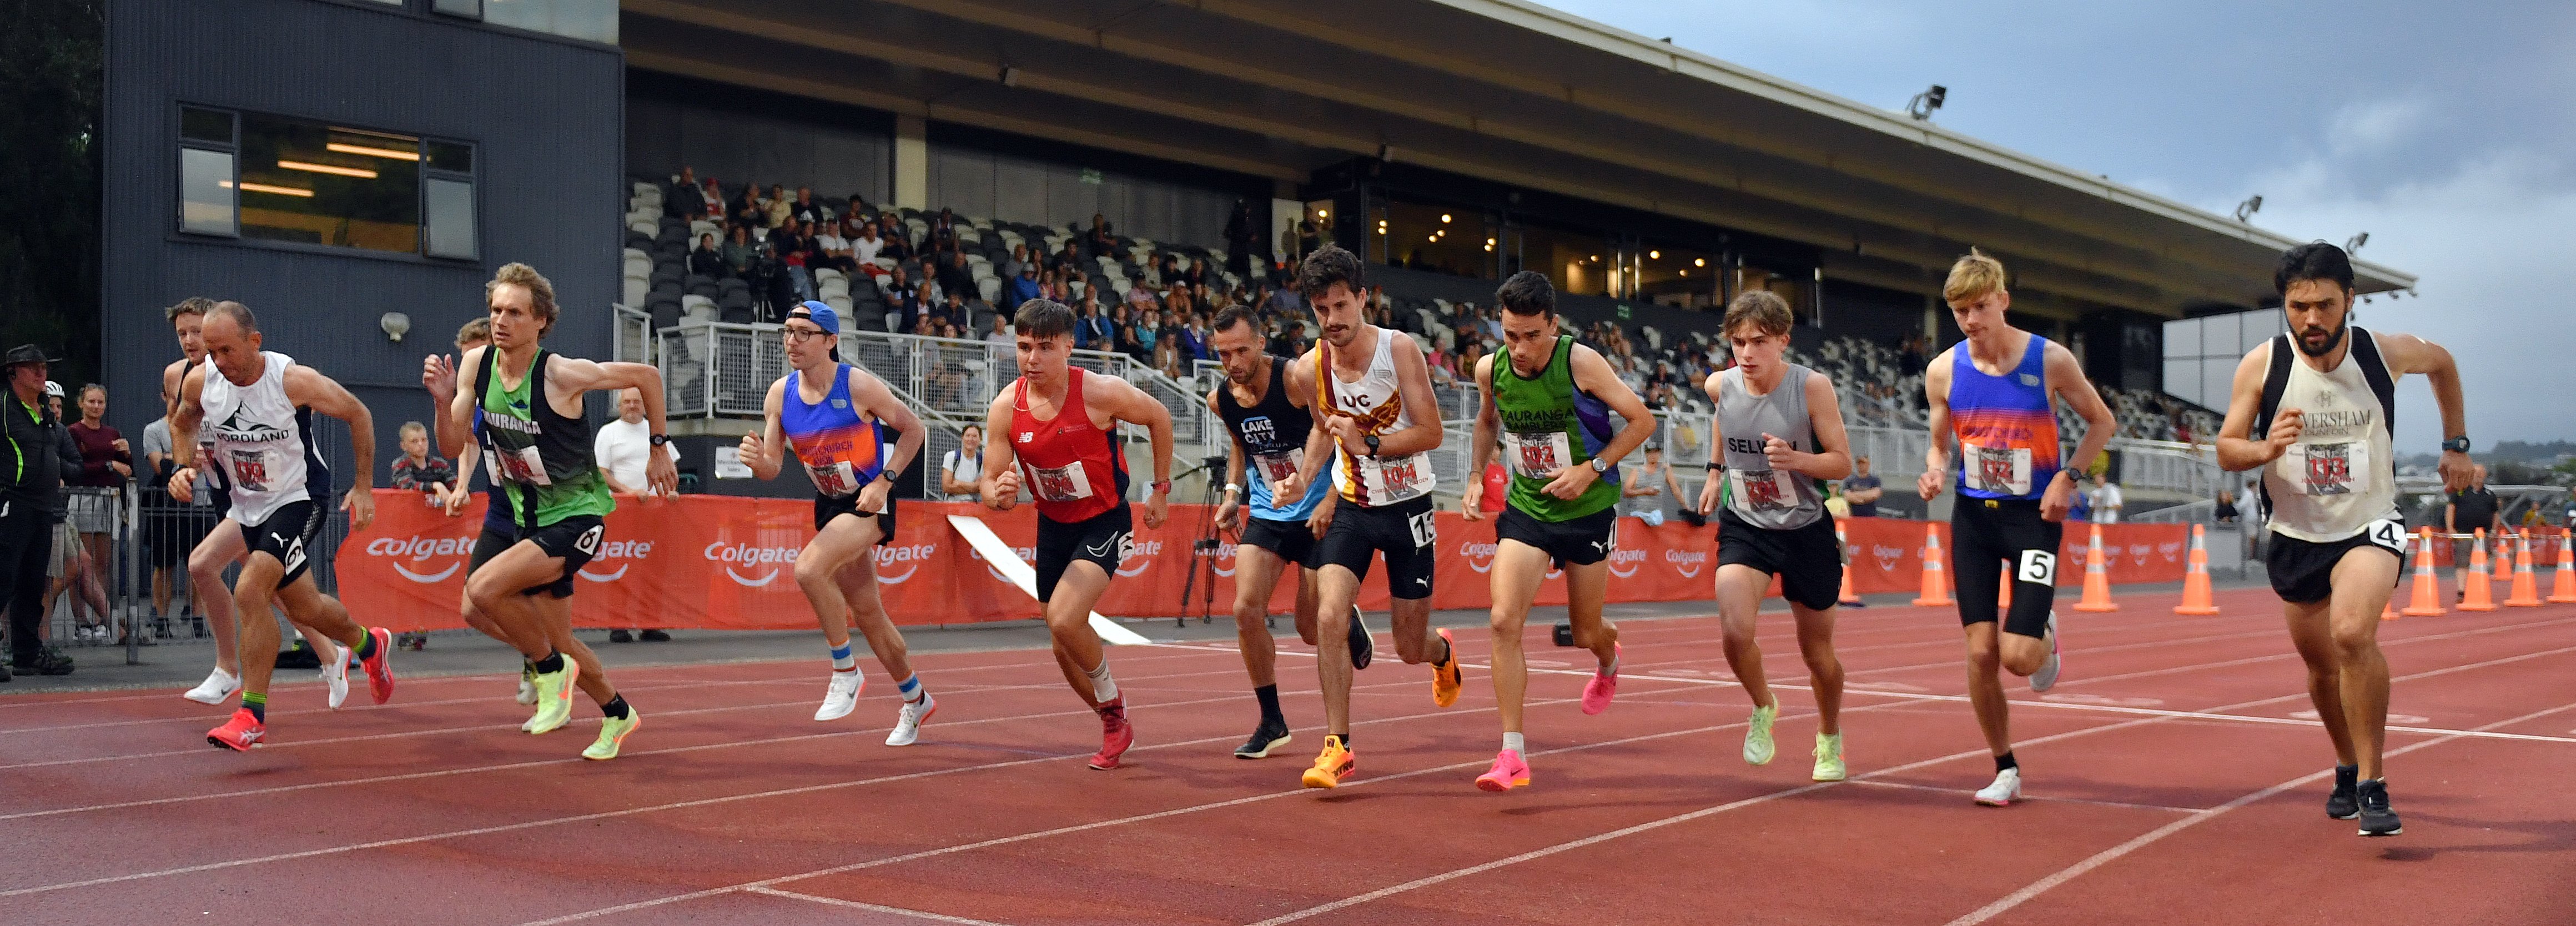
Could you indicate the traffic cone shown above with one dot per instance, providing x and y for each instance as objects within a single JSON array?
[
  {"x": 2563, "y": 584},
  {"x": 2526, "y": 586},
  {"x": 2097, "y": 579},
  {"x": 2195, "y": 580},
  {"x": 2503, "y": 558},
  {"x": 1849, "y": 596},
  {"x": 2476, "y": 595},
  {"x": 2428, "y": 590},
  {"x": 1936, "y": 581}
]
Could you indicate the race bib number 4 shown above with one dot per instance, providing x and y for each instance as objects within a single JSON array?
[
  {"x": 1060, "y": 484},
  {"x": 250, "y": 470},
  {"x": 2324, "y": 469},
  {"x": 836, "y": 479},
  {"x": 2000, "y": 470},
  {"x": 1760, "y": 489},
  {"x": 1538, "y": 456}
]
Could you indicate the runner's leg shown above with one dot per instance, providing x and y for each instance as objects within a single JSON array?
[
  {"x": 1824, "y": 668},
  {"x": 865, "y": 601},
  {"x": 1256, "y": 577},
  {"x": 495, "y": 591},
  {"x": 1068, "y": 616},
  {"x": 2363, "y": 580},
  {"x": 844, "y": 540},
  {"x": 1338, "y": 587},
  {"x": 1587, "y": 588},
  {"x": 2313, "y": 635},
  {"x": 258, "y": 639},
  {"x": 1985, "y": 689},
  {"x": 206, "y": 565},
  {"x": 1519, "y": 568},
  {"x": 1739, "y": 601}
]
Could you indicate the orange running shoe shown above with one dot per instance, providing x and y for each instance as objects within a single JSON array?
[
  {"x": 1116, "y": 734},
  {"x": 1446, "y": 677},
  {"x": 1332, "y": 765},
  {"x": 240, "y": 733},
  {"x": 1508, "y": 772},
  {"x": 380, "y": 667}
]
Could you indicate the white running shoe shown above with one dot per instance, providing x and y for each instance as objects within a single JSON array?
[
  {"x": 843, "y": 697},
  {"x": 218, "y": 686},
  {"x": 336, "y": 675},
  {"x": 2046, "y": 677},
  {"x": 527, "y": 684},
  {"x": 907, "y": 727},
  {"x": 2005, "y": 790}
]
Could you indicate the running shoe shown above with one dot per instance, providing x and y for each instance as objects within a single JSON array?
[
  {"x": 527, "y": 682},
  {"x": 1264, "y": 739},
  {"x": 1758, "y": 747},
  {"x": 654, "y": 636},
  {"x": 612, "y": 734},
  {"x": 1447, "y": 677},
  {"x": 842, "y": 696},
  {"x": 1363, "y": 647},
  {"x": 1116, "y": 734},
  {"x": 907, "y": 725},
  {"x": 1332, "y": 765},
  {"x": 380, "y": 667},
  {"x": 2005, "y": 790},
  {"x": 1597, "y": 691},
  {"x": 335, "y": 677},
  {"x": 1508, "y": 772},
  {"x": 2376, "y": 818},
  {"x": 2340, "y": 803},
  {"x": 554, "y": 698},
  {"x": 1829, "y": 757},
  {"x": 2046, "y": 677},
  {"x": 620, "y": 636},
  {"x": 216, "y": 689},
  {"x": 244, "y": 731}
]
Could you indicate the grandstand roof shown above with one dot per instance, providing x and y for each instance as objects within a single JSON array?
[{"x": 1505, "y": 90}]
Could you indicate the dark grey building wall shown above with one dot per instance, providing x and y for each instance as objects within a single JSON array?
[{"x": 543, "y": 114}]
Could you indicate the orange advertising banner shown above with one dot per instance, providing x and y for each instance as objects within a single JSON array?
[{"x": 724, "y": 562}]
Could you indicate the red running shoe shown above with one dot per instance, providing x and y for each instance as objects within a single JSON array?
[
  {"x": 380, "y": 667},
  {"x": 239, "y": 733},
  {"x": 1116, "y": 734},
  {"x": 1509, "y": 772}
]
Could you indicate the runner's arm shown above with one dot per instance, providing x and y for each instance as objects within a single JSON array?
[
  {"x": 2066, "y": 378},
  {"x": 171, "y": 376},
  {"x": 1413, "y": 388},
  {"x": 1313, "y": 464},
  {"x": 1832, "y": 459},
  {"x": 2238, "y": 449},
  {"x": 768, "y": 450},
  {"x": 1234, "y": 491},
  {"x": 306, "y": 386},
  {"x": 2407, "y": 353},
  {"x": 454, "y": 427},
  {"x": 1709, "y": 487},
  {"x": 1001, "y": 465},
  {"x": 573, "y": 377},
  {"x": 185, "y": 415},
  {"x": 1936, "y": 415},
  {"x": 1488, "y": 433},
  {"x": 869, "y": 392},
  {"x": 1593, "y": 374}
]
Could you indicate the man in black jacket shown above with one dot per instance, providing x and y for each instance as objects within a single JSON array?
[{"x": 31, "y": 493}]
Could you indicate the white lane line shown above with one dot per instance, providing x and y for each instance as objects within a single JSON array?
[{"x": 870, "y": 907}]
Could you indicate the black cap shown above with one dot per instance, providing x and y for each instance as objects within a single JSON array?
[{"x": 26, "y": 353}]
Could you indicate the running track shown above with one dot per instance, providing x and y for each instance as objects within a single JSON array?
[{"x": 2171, "y": 775}]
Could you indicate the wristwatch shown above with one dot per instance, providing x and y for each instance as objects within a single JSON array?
[
  {"x": 1161, "y": 486},
  {"x": 1600, "y": 467},
  {"x": 1371, "y": 441},
  {"x": 659, "y": 439},
  {"x": 1233, "y": 489},
  {"x": 2458, "y": 444},
  {"x": 886, "y": 476}
]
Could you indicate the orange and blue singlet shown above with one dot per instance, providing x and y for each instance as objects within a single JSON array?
[
  {"x": 841, "y": 449},
  {"x": 2007, "y": 431}
]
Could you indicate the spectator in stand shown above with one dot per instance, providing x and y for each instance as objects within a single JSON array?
[
  {"x": 1000, "y": 336},
  {"x": 952, "y": 313},
  {"x": 1643, "y": 497},
  {"x": 1093, "y": 331},
  {"x": 789, "y": 241},
  {"x": 2225, "y": 512},
  {"x": 943, "y": 231},
  {"x": 421, "y": 471},
  {"x": 959, "y": 469},
  {"x": 1239, "y": 229},
  {"x": 1167, "y": 358},
  {"x": 1010, "y": 268},
  {"x": 955, "y": 278},
  {"x": 805, "y": 209},
  {"x": 832, "y": 250},
  {"x": 897, "y": 246},
  {"x": 776, "y": 208},
  {"x": 752, "y": 211},
  {"x": 686, "y": 198},
  {"x": 865, "y": 248},
  {"x": 707, "y": 260},
  {"x": 1133, "y": 348},
  {"x": 2107, "y": 500},
  {"x": 740, "y": 254},
  {"x": 1862, "y": 490},
  {"x": 1024, "y": 286},
  {"x": 621, "y": 448}
]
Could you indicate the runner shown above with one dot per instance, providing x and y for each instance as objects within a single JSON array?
[
  {"x": 536, "y": 441},
  {"x": 837, "y": 416},
  {"x": 1551, "y": 400},
  {"x": 1993, "y": 392},
  {"x": 2329, "y": 492},
  {"x": 1378, "y": 420},
  {"x": 498, "y": 533},
  {"x": 1781, "y": 430},
  {"x": 1269, "y": 425},
  {"x": 1058, "y": 423},
  {"x": 260, "y": 405},
  {"x": 222, "y": 544}
]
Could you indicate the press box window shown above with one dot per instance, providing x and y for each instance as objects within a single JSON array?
[
  {"x": 275, "y": 178},
  {"x": 206, "y": 172},
  {"x": 448, "y": 200}
]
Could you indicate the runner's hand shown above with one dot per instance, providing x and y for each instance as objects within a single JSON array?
[
  {"x": 2456, "y": 470},
  {"x": 1929, "y": 484},
  {"x": 872, "y": 499},
  {"x": 1322, "y": 519},
  {"x": 2286, "y": 427},
  {"x": 1292, "y": 487},
  {"x": 2054, "y": 503},
  {"x": 661, "y": 474},
  {"x": 456, "y": 501},
  {"x": 1226, "y": 511},
  {"x": 1471, "y": 500},
  {"x": 360, "y": 503},
  {"x": 183, "y": 485},
  {"x": 1005, "y": 492},
  {"x": 1708, "y": 493},
  {"x": 1780, "y": 454},
  {"x": 1157, "y": 508},
  {"x": 1569, "y": 482},
  {"x": 438, "y": 375}
]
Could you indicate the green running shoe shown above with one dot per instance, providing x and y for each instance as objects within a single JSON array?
[
  {"x": 612, "y": 734},
  {"x": 1829, "y": 757},
  {"x": 1758, "y": 748},
  {"x": 554, "y": 698}
]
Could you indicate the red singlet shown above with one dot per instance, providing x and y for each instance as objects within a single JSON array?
[{"x": 1075, "y": 470}]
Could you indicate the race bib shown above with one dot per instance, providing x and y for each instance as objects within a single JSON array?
[
  {"x": 2000, "y": 470},
  {"x": 2324, "y": 469},
  {"x": 1275, "y": 468},
  {"x": 1387, "y": 481},
  {"x": 1538, "y": 455},
  {"x": 1761, "y": 489},
  {"x": 835, "y": 479},
  {"x": 1060, "y": 484},
  {"x": 1425, "y": 532},
  {"x": 2389, "y": 534},
  {"x": 250, "y": 470},
  {"x": 523, "y": 466}
]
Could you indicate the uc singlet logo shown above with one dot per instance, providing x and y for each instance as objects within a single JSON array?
[
  {"x": 419, "y": 550},
  {"x": 739, "y": 558}
]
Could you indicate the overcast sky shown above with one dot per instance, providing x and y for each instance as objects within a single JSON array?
[{"x": 2445, "y": 130}]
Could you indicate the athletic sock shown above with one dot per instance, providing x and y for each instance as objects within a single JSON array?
[
  {"x": 366, "y": 648},
  {"x": 842, "y": 661},
  {"x": 1512, "y": 741},
  {"x": 1268, "y": 695},
  {"x": 1609, "y": 670},
  {"x": 257, "y": 705},
  {"x": 2004, "y": 763},
  {"x": 1103, "y": 688},
  {"x": 554, "y": 662},
  {"x": 615, "y": 708},
  {"x": 910, "y": 688},
  {"x": 1345, "y": 738}
]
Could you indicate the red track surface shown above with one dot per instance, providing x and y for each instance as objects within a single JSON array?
[{"x": 731, "y": 806}]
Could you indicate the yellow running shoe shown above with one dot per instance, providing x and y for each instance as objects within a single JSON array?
[
  {"x": 1758, "y": 748},
  {"x": 1332, "y": 765},
  {"x": 612, "y": 734},
  {"x": 554, "y": 698},
  {"x": 1446, "y": 677},
  {"x": 1829, "y": 757}
]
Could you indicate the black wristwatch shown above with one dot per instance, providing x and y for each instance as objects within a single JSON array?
[
  {"x": 2458, "y": 444},
  {"x": 659, "y": 439},
  {"x": 1371, "y": 441}
]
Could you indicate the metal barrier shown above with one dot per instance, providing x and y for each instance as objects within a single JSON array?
[{"x": 630, "y": 335}]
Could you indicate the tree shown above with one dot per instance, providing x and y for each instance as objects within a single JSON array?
[{"x": 51, "y": 85}]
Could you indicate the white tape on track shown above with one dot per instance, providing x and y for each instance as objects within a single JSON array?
[{"x": 1008, "y": 562}]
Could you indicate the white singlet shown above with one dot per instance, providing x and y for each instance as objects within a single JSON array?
[
  {"x": 1374, "y": 400},
  {"x": 2339, "y": 478},
  {"x": 262, "y": 441}
]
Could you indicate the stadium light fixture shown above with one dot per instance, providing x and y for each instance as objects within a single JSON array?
[
  {"x": 1923, "y": 104},
  {"x": 1444, "y": 218},
  {"x": 279, "y": 190},
  {"x": 373, "y": 152},
  {"x": 1323, "y": 213},
  {"x": 1699, "y": 262},
  {"x": 358, "y": 172},
  {"x": 2355, "y": 242},
  {"x": 2245, "y": 210},
  {"x": 1654, "y": 255},
  {"x": 395, "y": 325}
]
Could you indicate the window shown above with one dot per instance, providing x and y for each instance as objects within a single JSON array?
[
  {"x": 275, "y": 178},
  {"x": 469, "y": 9},
  {"x": 1439, "y": 239},
  {"x": 449, "y": 200},
  {"x": 590, "y": 20},
  {"x": 206, "y": 172},
  {"x": 1576, "y": 263},
  {"x": 1679, "y": 277}
]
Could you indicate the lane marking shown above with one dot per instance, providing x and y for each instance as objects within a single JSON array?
[
  {"x": 2027, "y": 797},
  {"x": 870, "y": 907}
]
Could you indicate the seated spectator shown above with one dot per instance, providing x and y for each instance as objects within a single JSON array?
[
  {"x": 776, "y": 209},
  {"x": 1010, "y": 268},
  {"x": 706, "y": 260},
  {"x": 1134, "y": 349},
  {"x": 1000, "y": 336},
  {"x": 686, "y": 199},
  {"x": 419, "y": 470},
  {"x": 865, "y": 248},
  {"x": 740, "y": 253},
  {"x": 1092, "y": 330},
  {"x": 953, "y": 313},
  {"x": 832, "y": 250},
  {"x": 1023, "y": 286},
  {"x": 805, "y": 209}
]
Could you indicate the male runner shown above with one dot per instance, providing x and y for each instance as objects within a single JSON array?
[
  {"x": 260, "y": 405},
  {"x": 1551, "y": 400},
  {"x": 1269, "y": 425},
  {"x": 222, "y": 544},
  {"x": 1058, "y": 424},
  {"x": 836, "y": 416},
  {"x": 497, "y": 533},
  {"x": 537, "y": 442},
  {"x": 2329, "y": 487},
  {"x": 1374, "y": 414},
  {"x": 1994, "y": 391},
  {"x": 1779, "y": 430}
]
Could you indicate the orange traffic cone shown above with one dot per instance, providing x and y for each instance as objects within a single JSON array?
[
  {"x": 2563, "y": 587},
  {"x": 2503, "y": 558},
  {"x": 2195, "y": 580},
  {"x": 2526, "y": 586},
  {"x": 1936, "y": 581},
  {"x": 2097, "y": 579},
  {"x": 1849, "y": 596},
  {"x": 2428, "y": 590},
  {"x": 2475, "y": 593}
]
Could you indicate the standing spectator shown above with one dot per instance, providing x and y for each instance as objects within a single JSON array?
[
  {"x": 960, "y": 468},
  {"x": 2471, "y": 509},
  {"x": 1644, "y": 498},
  {"x": 165, "y": 530},
  {"x": 621, "y": 448},
  {"x": 2225, "y": 511},
  {"x": 421, "y": 471},
  {"x": 1862, "y": 490},
  {"x": 30, "y": 488},
  {"x": 106, "y": 462},
  {"x": 2107, "y": 501}
]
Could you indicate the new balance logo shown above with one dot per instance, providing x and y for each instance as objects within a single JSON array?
[{"x": 1027, "y": 437}]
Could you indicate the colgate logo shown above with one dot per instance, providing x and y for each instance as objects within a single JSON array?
[
  {"x": 1224, "y": 564},
  {"x": 417, "y": 549},
  {"x": 1687, "y": 562},
  {"x": 1886, "y": 556},
  {"x": 1026, "y": 554},
  {"x": 617, "y": 549},
  {"x": 1145, "y": 550},
  {"x": 1480, "y": 556},
  {"x": 890, "y": 556},
  {"x": 2138, "y": 552},
  {"x": 1628, "y": 557},
  {"x": 748, "y": 556},
  {"x": 2171, "y": 549}
]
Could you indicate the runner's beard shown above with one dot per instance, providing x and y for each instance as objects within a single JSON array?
[{"x": 2330, "y": 344}]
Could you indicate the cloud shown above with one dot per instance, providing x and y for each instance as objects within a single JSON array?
[{"x": 2375, "y": 125}]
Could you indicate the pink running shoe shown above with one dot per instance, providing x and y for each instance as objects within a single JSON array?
[
  {"x": 1597, "y": 692},
  {"x": 380, "y": 667},
  {"x": 240, "y": 733},
  {"x": 1508, "y": 772},
  {"x": 1116, "y": 734}
]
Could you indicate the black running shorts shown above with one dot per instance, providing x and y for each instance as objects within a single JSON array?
[
  {"x": 1402, "y": 532},
  {"x": 1102, "y": 538},
  {"x": 1293, "y": 541},
  {"x": 2303, "y": 571},
  {"x": 289, "y": 534},
  {"x": 490, "y": 543},
  {"x": 1808, "y": 560},
  {"x": 1581, "y": 541},
  {"x": 1985, "y": 534},
  {"x": 827, "y": 507},
  {"x": 574, "y": 540}
]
